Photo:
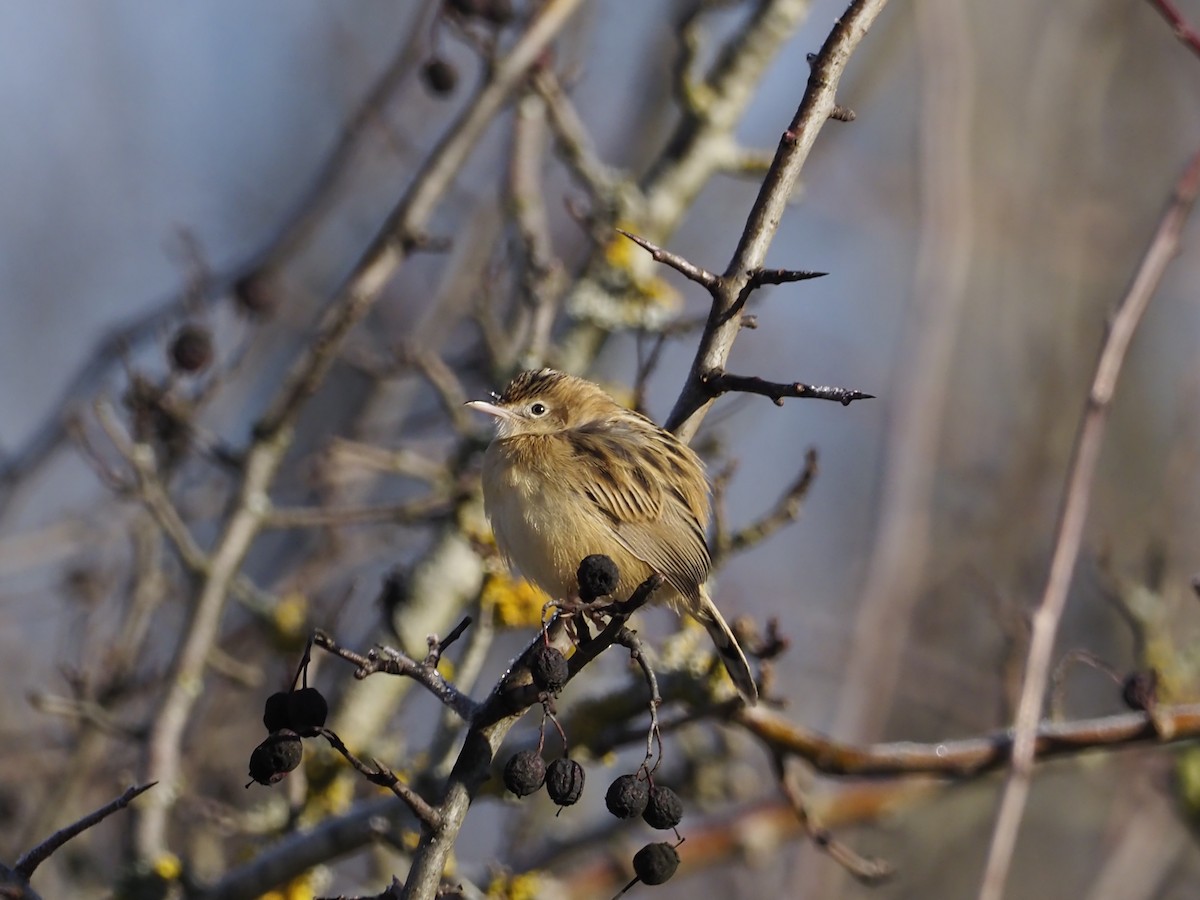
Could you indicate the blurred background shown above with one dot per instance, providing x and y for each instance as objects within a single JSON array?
[{"x": 979, "y": 221}]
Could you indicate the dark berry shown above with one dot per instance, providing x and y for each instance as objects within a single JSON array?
[
  {"x": 549, "y": 668},
  {"x": 664, "y": 810},
  {"x": 1140, "y": 689},
  {"x": 598, "y": 577},
  {"x": 275, "y": 757},
  {"x": 275, "y": 713},
  {"x": 467, "y": 7},
  {"x": 498, "y": 12},
  {"x": 564, "y": 781},
  {"x": 525, "y": 773},
  {"x": 439, "y": 76},
  {"x": 191, "y": 348},
  {"x": 256, "y": 295},
  {"x": 627, "y": 797},
  {"x": 307, "y": 709},
  {"x": 655, "y": 863}
]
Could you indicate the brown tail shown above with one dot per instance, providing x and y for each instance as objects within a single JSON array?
[{"x": 710, "y": 617}]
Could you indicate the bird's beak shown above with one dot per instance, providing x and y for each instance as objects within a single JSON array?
[{"x": 491, "y": 409}]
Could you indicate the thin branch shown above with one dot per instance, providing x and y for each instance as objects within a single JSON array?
[
  {"x": 379, "y": 774},
  {"x": 154, "y": 497},
  {"x": 344, "y": 452},
  {"x": 422, "y": 510},
  {"x": 868, "y": 871},
  {"x": 785, "y": 511},
  {"x": 30, "y": 861},
  {"x": 717, "y": 382},
  {"x": 689, "y": 270},
  {"x": 443, "y": 380},
  {"x": 541, "y": 272},
  {"x": 438, "y": 647},
  {"x": 970, "y": 757},
  {"x": 604, "y": 182},
  {"x": 1182, "y": 28},
  {"x": 637, "y": 652},
  {"x": 393, "y": 662},
  {"x": 1072, "y": 518}
]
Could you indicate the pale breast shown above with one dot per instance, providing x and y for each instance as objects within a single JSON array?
[{"x": 545, "y": 528}]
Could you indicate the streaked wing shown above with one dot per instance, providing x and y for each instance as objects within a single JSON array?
[{"x": 649, "y": 515}]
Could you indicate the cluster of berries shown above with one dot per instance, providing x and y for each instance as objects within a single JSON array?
[
  {"x": 288, "y": 716},
  {"x": 629, "y": 796}
]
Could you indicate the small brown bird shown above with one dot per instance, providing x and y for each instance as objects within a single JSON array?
[{"x": 571, "y": 472}]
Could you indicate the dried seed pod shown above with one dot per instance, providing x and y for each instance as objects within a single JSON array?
[
  {"x": 664, "y": 809},
  {"x": 627, "y": 797},
  {"x": 525, "y": 773},
  {"x": 598, "y": 577},
  {"x": 564, "y": 781},
  {"x": 656, "y": 863},
  {"x": 549, "y": 668},
  {"x": 191, "y": 348},
  {"x": 275, "y": 757}
]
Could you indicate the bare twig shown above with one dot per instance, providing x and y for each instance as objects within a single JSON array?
[
  {"x": 379, "y": 774},
  {"x": 438, "y": 647},
  {"x": 968, "y": 758},
  {"x": 1072, "y": 517},
  {"x": 689, "y": 270},
  {"x": 393, "y": 662},
  {"x": 868, "y": 871},
  {"x": 1058, "y": 679},
  {"x": 153, "y": 495},
  {"x": 422, "y": 510},
  {"x": 442, "y": 379},
  {"x": 785, "y": 511},
  {"x": 637, "y": 652},
  {"x": 605, "y": 183},
  {"x": 1182, "y": 27},
  {"x": 30, "y": 861},
  {"x": 541, "y": 272}
]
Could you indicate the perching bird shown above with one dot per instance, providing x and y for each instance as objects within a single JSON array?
[{"x": 571, "y": 472}]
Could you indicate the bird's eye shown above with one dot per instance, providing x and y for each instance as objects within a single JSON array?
[{"x": 538, "y": 409}]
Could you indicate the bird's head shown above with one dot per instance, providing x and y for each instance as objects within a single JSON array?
[{"x": 546, "y": 401}]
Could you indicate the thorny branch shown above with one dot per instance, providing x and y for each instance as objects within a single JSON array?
[
  {"x": 718, "y": 382},
  {"x": 815, "y": 109}
]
